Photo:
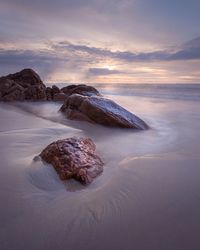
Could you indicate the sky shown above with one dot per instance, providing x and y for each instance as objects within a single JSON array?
[{"x": 102, "y": 41}]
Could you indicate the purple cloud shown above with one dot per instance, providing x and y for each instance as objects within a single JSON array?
[{"x": 81, "y": 58}]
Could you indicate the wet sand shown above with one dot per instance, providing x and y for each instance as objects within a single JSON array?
[{"x": 147, "y": 197}]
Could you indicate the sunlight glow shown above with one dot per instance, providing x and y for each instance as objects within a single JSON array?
[{"x": 107, "y": 66}]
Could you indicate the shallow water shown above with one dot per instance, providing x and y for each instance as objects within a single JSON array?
[{"x": 147, "y": 197}]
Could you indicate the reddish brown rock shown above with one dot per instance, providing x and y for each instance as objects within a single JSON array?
[
  {"x": 80, "y": 89},
  {"x": 74, "y": 158},
  {"x": 102, "y": 111}
]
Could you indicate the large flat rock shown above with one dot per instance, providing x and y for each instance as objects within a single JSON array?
[{"x": 102, "y": 111}]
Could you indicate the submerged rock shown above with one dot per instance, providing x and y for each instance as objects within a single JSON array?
[
  {"x": 74, "y": 158},
  {"x": 102, "y": 111}
]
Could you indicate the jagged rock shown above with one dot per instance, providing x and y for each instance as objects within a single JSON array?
[
  {"x": 100, "y": 110},
  {"x": 81, "y": 89},
  {"x": 23, "y": 85},
  {"x": 74, "y": 158},
  {"x": 25, "y": 78}
]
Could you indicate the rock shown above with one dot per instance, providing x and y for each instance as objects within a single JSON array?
[
  {"x": 74, "y": 158},
  {"x": 25, "y": 78},
  {"x": 69, "y": 87},
  {"x": 100, "y": 110},
  {"x": 49, "y": 94},
  {"x": 5, "y": 85},
  {"x": 57, "y": 94},
  {"x": 15, "y": 92},
  {"x": 36, "y": 92},
  {"x": 23, "y": 85},
  {"x": 60, "y": 97},
  {"x": 27, "y": 85},
  {"x": 55, "y": 89},
  {"x": 81, "y": 89}
]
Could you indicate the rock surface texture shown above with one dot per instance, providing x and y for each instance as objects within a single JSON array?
[
  {"x": 74, "y": 158},
  {"x": 23, "y": 85},
  {"x": 100, "y": 110}
]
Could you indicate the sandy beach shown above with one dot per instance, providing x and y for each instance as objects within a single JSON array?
[{"x": 147, "y": 197}]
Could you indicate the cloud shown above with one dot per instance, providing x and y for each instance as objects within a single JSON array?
[
  {"x": 65, "y": 51},
  {"x": 43, "y": 62},
  {"x": 187, "y": 51},
  {"x": 188, "y": 54},
  {"x": 194, "y": 43},
  {"x": 76, "y": 62},
  {"x": 117, "y": 55}
]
